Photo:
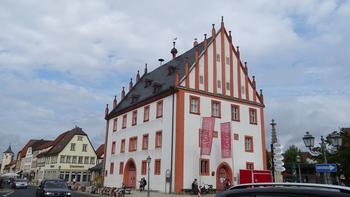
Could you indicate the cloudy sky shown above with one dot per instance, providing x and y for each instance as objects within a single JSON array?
[{"x": 61, "y": 61}]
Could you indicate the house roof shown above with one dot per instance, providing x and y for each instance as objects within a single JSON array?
[
  {"x": 100, "y": 151},
  {"x": 8, "y": 150},
  {"x": 22, "y": 153},
  {"x": 159, "y": 77},
  {"x": 61, "y": 141}
]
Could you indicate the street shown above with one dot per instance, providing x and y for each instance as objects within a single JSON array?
[{"x": 29, "y": 192}]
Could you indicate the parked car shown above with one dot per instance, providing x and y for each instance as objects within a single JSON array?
[
  {"x": 19, "y": 183},
  {"x": 285, "y": 190},
  {"x": 53, "y": 187}
]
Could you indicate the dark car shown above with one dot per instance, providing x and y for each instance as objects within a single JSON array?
[
  {"x": 56, "y": 188},
  {"x": 285, "y": 190}
]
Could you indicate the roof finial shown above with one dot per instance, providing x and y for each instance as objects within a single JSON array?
[
  {"x": 106, "y": 110},
  {"x": 261, "y": 96},
  {"x": 213, "y": 31},
  {"x": 174, "y": 50},
  {"x": 238, "y": 53},
  {"x": 254, "y": 83},
  {"x": 246, "y": 67},
  {"x": 123, "y": 93},
  {"x": 145, "y": 69},
  {"x": 222, "y": 21},
  {"x": 137, "y": 76},
  {"x": 195, "y": 42},
  {"x": 115, "y": 102},
  {"x": 229, "y": 35},
  {"x": 130, "y": 84}
]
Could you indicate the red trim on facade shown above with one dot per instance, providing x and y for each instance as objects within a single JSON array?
[
  {"x": 215, "y": 102},
  {"x": 263, "y": 138},
  {"x": 179, "y": 145},
  {"x": 231, "y": 70},
  {"x": 251, "y": 145},
  {"x": 223, "y": 61},
  {"x": 205, "y": 64},
  {"x": 239, "y": 80},
  {"x": 215, "y": 80},
  {"x": 198, "y": 106},
  {"x": 246, "y": 85},
  {"x": 187, "y": 72},
  {"x": 196, "y": 69}
]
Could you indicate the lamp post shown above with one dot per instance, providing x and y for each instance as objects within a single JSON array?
[
  {"x": 298, "y": 162},
  {"x": 149, "y": 168},
  {"x": 335, "y": 140}
]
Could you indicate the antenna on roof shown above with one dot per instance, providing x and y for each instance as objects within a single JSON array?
[{"x": 161, "y": 60}]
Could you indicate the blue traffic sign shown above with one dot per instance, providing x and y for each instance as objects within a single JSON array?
[{"x": 330, "y": 167}]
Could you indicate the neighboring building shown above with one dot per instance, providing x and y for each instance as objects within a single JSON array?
[
  {"x": 68, "y": 157},
  {"x": 11, "y": 167},
  {"x": 161, "y": 117},
  {"x": 7, "y": 158},
  {"x": 96, "y": 171}
]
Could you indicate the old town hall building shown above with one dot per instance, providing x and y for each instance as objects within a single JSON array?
[{"x": 161, "y": 116}]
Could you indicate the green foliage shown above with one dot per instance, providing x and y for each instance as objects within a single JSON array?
[{"x": 291, "y": 154}]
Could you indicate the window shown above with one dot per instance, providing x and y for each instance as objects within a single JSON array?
[
  {"x": 219, "y": 84},
  {"x": 201, "y": 80},
  {"x": 122, "y": 146},
  {"x": 68, "y": 159},
  {"x": 143, "y": 167},
  {"x": 132, "y": 144},
  {"x": 92, "y": 160},
  {"x": 115, "y": 121},
  {"x": 72, "y": 146},
  {"x": 215, "y": 109},
  {"x": 80, "y": 138},
  {"x": 228, "y": 86},
  {"x": 84, "y": 147},
  {"x": 113, "y": 148},
  {"x": 80, "y": 160},
  {"x": 158, "y": 139},
  {"x": 145, "y": 142},
  {"x": 124, "y": 121},
  {"x": 111, "y": 168},
  {"x": 159, "y": 109},
  {"x": 121, "y": 167},
  {"x": 204, "y": 167},
  {"x": 243, "y": 89},
  {"x": 236, "y": 136},
  {"x": 235, "y": 112},
  {"x": 227, "y": 60},
  {"x": 157, "y": 167},
  {"x": 62, "y": 159},
  {"x": 74, "y": 160},
  {"x": 194, "y": 105},
  {"x": 252, "y": 116},
  {"x": 218, "y": 57},
  {"x": 248, "y": 143},
  {"x": 86, "y": 160},
  {"x": 134, "y": 117},
  {"x": 249, "y": 166},
  {"x": 146, "y": 113}
]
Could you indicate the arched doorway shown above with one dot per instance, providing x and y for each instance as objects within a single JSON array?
[
  {"x": 130, "y": 173},
  {"x": 222, "y": 172}
]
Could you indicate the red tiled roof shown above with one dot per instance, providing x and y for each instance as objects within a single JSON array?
[{"x": 100, "y": 151}]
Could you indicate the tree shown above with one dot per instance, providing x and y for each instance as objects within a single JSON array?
[{"x": 291, "y": 154}]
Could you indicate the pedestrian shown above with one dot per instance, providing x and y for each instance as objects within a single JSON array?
[{"x": 195, "y": 186}]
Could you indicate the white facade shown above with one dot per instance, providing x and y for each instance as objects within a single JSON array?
[
  {"x": 6, "y": 159},
  {"x": 229, "y": 88}
]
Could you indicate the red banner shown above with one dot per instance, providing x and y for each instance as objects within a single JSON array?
[
  {"x": 226, "y": 140},
  {"x": 207, "y": 135}
]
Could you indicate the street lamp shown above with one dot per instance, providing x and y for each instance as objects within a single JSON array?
[
  {"x": 298, "y": 162},
  {"x": 149, "y": 168},
  {"x": 335, "y": 140}
]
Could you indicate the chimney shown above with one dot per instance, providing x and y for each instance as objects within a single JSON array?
[
  {"x": 115, "y": 102},
  {"x": 213, "y": 32},
  {"x": 145, "y": 69},
  {"x": 137, "y": 76},
  {"x": 130, "y": 84},
  {"x": 261, "y": 96},
  {"x": 174, "y": 51},
  {"x": 123, "y": 93},
  {"x": 195, "y": 42},
  {"x": 106, "y": 110}
]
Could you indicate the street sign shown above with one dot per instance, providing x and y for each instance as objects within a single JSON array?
[{"x": 330, "y": 167}]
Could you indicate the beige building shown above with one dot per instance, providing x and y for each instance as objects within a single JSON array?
[
  {"x": 69, "y": 157},
  {"x": 7, "y": 158}
]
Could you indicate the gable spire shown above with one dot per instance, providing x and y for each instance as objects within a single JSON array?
[
  {"x": 9, "y": 150},
  {"x": 222, "y": 21},
  {"x": 130, "y": 84},
  {"x": 138, "y": 76},
  {"x": 145, "y": 69},
  {"x": 106, "y": 110},
  {"x": 115, "y": 102},
  {"x": 123, "y": 93},
  {"x": 173, "y": 51}
]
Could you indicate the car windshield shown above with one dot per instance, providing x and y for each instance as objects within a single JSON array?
[
  {"x": 21, "y": 180},
  {"x": 55, "y": 184}
]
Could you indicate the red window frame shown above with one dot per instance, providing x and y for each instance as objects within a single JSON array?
[
  {"x": 115, "y": 121},
  {"x": 125, "y": 119},
  {"x": 204, "y": 167},
  {"x": 146, "y": 113},
  {"x": 198, "y": 105},
  {"x": 249, "y": 165},
  {"x": 143, "y": 167},
  {"x": 145, "y": 136},
  {"x": 159, "y": 134},
  {"x": 121, "y": 167},
  {"x": 134, "y": 117},
  {"x": 111, "y": 168},
  {"x": 157, "y": 166},
  {"x": 122, "y": 146},
  {"x": 251, "y": 149},
  {"x": 254, "y": 119},
  {"x": 238, "y": 112},
  {"x": 159, "y": 113},
  {"x": 133, "y": 144},
  {"x": 113, "y": 147},
  {"x": 212, "y": 108}
]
